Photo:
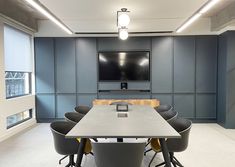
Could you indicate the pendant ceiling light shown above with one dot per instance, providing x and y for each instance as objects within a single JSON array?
[
  {"x": 123, "y": 21},
  {"x": 123, "y": 33}
]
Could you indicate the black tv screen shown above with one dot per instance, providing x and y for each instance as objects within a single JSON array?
[{"x": 124, "y": 66}]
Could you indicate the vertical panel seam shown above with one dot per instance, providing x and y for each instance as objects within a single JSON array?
[
  {"x": 97, "y": 68},
  {"x": 76, "y": 71},
  {"x": 195, "y": 77},
  {"x": 151, "y": 66},
  {"x": 173, "y": 72},
  {"x": 55, "y": 77},
  {"x": 217, "y": 73}
]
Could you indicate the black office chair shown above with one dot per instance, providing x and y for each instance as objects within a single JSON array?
[
  {"x": 163, "y": 108},
  {"x": 112, "y": 154},
  {"x": 82, "y": 109},
  {"x": 120, "y": 102},
  {"x": 64, "y": 146},
  {"x": 73, "y": 117},
  {"x": 169, "y": 116},
  {"x": 183, "y": 127}
]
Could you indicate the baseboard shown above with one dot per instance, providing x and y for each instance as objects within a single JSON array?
[{"x": 49, "y": 120}]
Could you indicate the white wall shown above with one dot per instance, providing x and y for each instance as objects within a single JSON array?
[{"x": 14, "y": 105}]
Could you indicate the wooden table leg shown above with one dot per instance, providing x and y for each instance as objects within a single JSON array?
[
  {"x": 165, "y": 152},
  {"x": 80, "y": 152}
]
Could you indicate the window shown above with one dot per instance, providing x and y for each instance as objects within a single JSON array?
[
  {"x": 18, "y": 118},
  {"x": 17, "y": 83},
  {"x": 18, "y": 62}
]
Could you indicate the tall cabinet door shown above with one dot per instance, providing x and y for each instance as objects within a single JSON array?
[
  {"x": 184, "y": 64},
  {"x": 184, "y": 76},
  {"x": 44, "y": 67},
  {"x": 65, "y": 65},
  {"x": 86, "y": 65},
  {"x": 162, "y": 64},
  {"x": 206, "y": 76},
  {"x": 45, "y": 82},
  {"x": 65, "y": 75},
  {"x": 86, "y": 58}
]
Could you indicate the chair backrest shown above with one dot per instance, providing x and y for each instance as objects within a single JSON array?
[
  {"x": 120, "y": 102},
  {"x": 168, "y": 115},
  {"x": 183, "y": 127},
  {"x": 82, "y": 109},
  {"x": 163, "y": 108},
  {"x": 63, "y": 145},
  {"x": 73, "y": 117},
  {"x": 118, "y": 154}
]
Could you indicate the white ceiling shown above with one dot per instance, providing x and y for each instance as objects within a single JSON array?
[{"x": 146, "y": 15}]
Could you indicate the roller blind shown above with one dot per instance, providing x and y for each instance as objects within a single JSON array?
[{"x": 17, "y": 50}]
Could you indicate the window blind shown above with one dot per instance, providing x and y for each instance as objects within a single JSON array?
[{"x": 17, "y": 50}]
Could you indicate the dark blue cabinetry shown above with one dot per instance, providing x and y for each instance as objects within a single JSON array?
[{"x": 183, "y": 73}]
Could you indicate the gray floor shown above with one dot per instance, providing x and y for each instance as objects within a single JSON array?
[{"x": 210, "y": 146}]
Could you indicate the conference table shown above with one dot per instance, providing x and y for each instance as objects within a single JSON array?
[{"x": 103, "y": 121}]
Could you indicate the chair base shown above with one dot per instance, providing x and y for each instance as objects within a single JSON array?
[
  {"x": 173, "y": 160},
  {"x": 71, "y": 161},
  {"x": 62, "y": 159},
  {"x": 146, "y": 151}
]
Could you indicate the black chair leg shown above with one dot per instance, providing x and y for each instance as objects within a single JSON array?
[
  {"x": 163, "y": 163},
  {"x": 152, "y": 159},
  {"x": 148, "y": 142},
  {"x": 62, "y": 159},
  {"x": 71, "y": 161},
  {"x": 174, "y": 163},
  {"x": 147, "y": 151},
  {"x": 177, "y": 162}
]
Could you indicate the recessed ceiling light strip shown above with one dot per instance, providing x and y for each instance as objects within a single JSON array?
[
  {"x": 42, "y": 9},
  {"x": 197, "y": 14}
]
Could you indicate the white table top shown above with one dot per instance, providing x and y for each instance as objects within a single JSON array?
[{"x": 142, "y": 122}]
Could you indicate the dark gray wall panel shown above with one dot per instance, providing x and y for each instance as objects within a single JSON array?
[
  {"x": 45, "y": 105},
  {"x": 184, "y": 104},
  {"x": 132, "y": 43},
  {"x": 44, "y": 67},
  {"x": 86, "y": 65},
  {"x": 184, "y": 64},
  {"x": 221, "y": 92},
  {"x": 65, "y": 103},
  {"x": 231, "y": 98},
  {"x": 231, "y": 51},
  {"x": 164, "y": 98},
  {"x": 206, "y": 106},
  {"x": 206, "y": 63},
  {"x": 86, "y": 99},
  {"x": 124, "y": 96},
  {"x": 65, "y": 65},
  {"x": 162, "y": 64}
]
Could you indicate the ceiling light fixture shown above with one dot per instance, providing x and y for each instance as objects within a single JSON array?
[
  {"x": 188, "y": 22},
  {"x": 123, "y": 18},
  {"x": 201, "y": 11},
  {"x": 123, "y": 33},
  {"x": 42, "y": 9},
  {"x": 123, "y": 21},
  {"x": 208, "y": 6}
]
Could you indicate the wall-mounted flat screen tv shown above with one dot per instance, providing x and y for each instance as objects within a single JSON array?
[{"x": 124, "y": 66}]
